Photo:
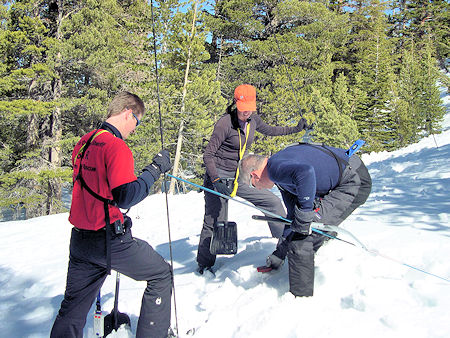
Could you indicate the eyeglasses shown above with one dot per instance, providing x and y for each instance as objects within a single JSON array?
[
  {"x": 138, "y": 122},
  {"x": 251, "y": 182}
]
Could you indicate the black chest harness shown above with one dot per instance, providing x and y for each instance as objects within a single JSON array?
[
  {"x": 342, "y": 164},
  {"x": 117, "y": 226}
]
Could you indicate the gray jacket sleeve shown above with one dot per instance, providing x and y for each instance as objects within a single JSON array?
[
  {"x": 218, "y": 136},
  {"x": 265, "y": 129}
]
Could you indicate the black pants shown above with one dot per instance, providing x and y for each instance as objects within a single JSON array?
[
  {"x": 214, "y": 211},
  {"x": 130, "y": 256},
  {"x": 332, "y": 209},
  {"x": 353, "y": 191}
]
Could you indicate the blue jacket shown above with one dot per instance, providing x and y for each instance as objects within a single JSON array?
[{"x": 304, "y": 172}]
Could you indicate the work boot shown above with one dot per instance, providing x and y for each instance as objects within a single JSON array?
[
  {"x": 171, "y": 334},
  {"x": 201, "y": 269}
]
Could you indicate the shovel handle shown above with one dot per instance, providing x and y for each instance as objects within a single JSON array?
[{"x": 116, "y": 302}]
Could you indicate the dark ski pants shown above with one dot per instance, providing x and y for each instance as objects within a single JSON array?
[
  {"x": 353, "y": 191},
  {"x": 130, "y": 256},
  {"x": 301, "y": 264},
  {"x": 332, "y": 209},
  {"x": 215, "y": 211}
]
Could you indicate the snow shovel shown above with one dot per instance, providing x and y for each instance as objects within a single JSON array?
[
  {"x": 224, "y": 238},
  {"x": 115, "y": 319}
]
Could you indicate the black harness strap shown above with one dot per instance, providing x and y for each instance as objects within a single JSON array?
[
  {"x": 105, "y": 201},
  {"x": 320, "y": 146}
]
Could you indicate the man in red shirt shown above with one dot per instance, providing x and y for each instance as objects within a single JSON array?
[{"x": 104, "y": 181}]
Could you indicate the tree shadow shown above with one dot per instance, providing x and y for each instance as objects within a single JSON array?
[
  {"x": 252, "y": 253},
  {"x": 24, "y": 311},
  {"x": 409, "y": 189}
]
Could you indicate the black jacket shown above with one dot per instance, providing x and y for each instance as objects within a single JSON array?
[{"x": 222, "y": 150}]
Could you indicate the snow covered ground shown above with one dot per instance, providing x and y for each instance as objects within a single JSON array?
[{"x": 356, "y": 294}]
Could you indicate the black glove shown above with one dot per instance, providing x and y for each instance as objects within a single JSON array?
[
  {"x": 274, "y": 262},
  {"x": 302, "y": 221},
  {"x": 303, "y": 125},
  {"x": 222, "y": 187},
  {"x": 161, "y": 164},
  {"x": 310, "y": 126}
]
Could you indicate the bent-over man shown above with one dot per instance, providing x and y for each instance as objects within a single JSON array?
[{"x": 318, "y": 184}]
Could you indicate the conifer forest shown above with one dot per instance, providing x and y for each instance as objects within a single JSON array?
[{"x": 367, "y": 69}]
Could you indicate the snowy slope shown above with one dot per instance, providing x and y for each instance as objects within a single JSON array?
[{"x": 356, "y": 294}]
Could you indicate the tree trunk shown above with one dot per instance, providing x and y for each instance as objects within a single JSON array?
[
  {"x": 54, "y": 152},
  {"x": 176, "y": 162},
  {"x": 219, "y": 63}
]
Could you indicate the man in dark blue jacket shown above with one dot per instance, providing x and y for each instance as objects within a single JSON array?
[{"x": 318, "y": 184}]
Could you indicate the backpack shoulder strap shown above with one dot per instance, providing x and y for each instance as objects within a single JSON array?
[
  {"x": 105, "y": 201},
  {"x": 86, "y": 145},
  {"x": 322, "y": 147}
]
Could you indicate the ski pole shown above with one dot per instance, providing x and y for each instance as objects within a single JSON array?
[
  {"x": 361, "y": 245},
  {"x": 325, "y": 227},
  {"x": 245, "y": 203},
  {"x": 161, "y": 132},
  {"x": 376, "y": 253}
]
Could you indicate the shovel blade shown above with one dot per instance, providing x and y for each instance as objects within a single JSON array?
[
  {"x": 224, "y": 239},
  {"x": 111, "y": 324}
]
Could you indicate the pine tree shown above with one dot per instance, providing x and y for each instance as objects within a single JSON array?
[
  {"x": 422, "y": 20},
  {"x": 286, "y": 49},
  {"x": 336, "y": 128},
  {"x": 431, "y": 108},
  {"x": 404, "y": 103},
  {"x": 27, "y": 109},
  {"x": 65, "y": 62},
  {"x": 189, "y": 93},
  {"x": 418, "y": 27},
  {"x": 372, "y": 73}
]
